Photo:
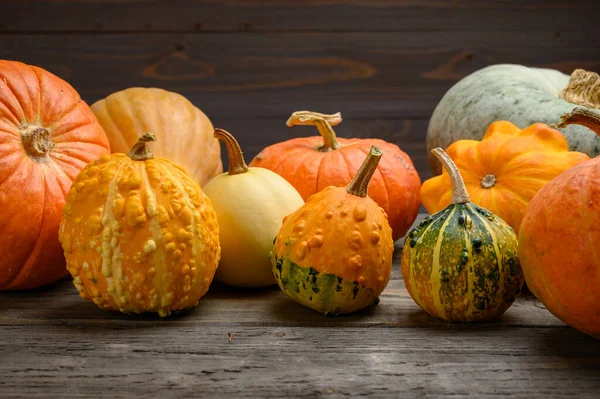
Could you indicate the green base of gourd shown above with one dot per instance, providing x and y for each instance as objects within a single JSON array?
[{"x": 325, "y": 293}]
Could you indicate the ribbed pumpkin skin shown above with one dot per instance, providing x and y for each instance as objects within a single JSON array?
[
  {"x": 558, "y": 246},
  {"x": 394, "y": 186},
  {"x": 522, "y": 161},
  {"x": 139, "y": 236},
  {"x": 36, "y": 175},
  {"x": 185, "y": 134},
  {"x": 342, "y": 241},
  {"x": 461, "y": 264}
]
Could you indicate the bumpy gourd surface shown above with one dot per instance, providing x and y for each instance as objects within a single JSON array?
[
  {"x": 514, "y": 93},
  {"x": 337, "y": 235},
  {"x": 461, "y": 264},
  {"x": 139, "y": 236}
]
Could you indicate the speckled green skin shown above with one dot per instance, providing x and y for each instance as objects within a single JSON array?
[
  {"x": 325, "y": 293},
  {"x": 515, "y": 93}
]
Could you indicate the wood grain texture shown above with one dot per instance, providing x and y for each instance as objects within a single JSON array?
[
  {"x": 237, "y": 75},
  {"x": 258, "y": 343},
  {"x": 293, "y": 15}
]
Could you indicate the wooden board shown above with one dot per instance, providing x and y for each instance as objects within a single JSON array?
[
  {"x": 293, "y": 15},
  {"x": 55, "y": 344}
]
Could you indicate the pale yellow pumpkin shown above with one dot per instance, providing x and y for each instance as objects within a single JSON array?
[{"x": 250, "y": 204}]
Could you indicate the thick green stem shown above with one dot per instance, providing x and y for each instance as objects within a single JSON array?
[
  {"x": 323, "y": 122},
  {"x": 360, "y": 184},
  {"x": 237, "y": 164},
  {"x": 140, "y": 150},
  {"x": 460, "y": 195}
]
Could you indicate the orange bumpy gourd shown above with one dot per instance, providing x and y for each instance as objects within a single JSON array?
[
  {"x": 504, "y": 170},
  {"x": 47, "y": 135},
  {"x": 334, "y": 254},
  {"x": 186, "y": 132},
  {"x": 312, "y": 163},
  {"x": 139, "y": 235},
  {"x": 559, "y": 238}
]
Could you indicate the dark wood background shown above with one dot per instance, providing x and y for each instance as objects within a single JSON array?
[{"x": 248, "y": 63}]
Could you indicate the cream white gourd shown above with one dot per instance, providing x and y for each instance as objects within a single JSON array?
[
  {"x": 250, "y": 203},
  {"x": 517, "y": 94}
]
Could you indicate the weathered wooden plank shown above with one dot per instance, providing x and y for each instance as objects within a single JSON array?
[
  {"x": 237, "y": 75},
  {"x": 290, "y": 15},
  {"x": 59, "y": 304},
  {"x": 123, "y": 362}
]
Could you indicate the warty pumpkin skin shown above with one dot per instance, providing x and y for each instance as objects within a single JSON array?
[
  {"x": 334, "y": 254},
  {"x": 312, "y": 163},
  {"x": 139, "y": 235},
  {"x": 47, "y": 135},
  {"x": 186, "y": 132},
  {"x": 518, "y": 94},
  {"x": 504, "y": 170},
  {"x": 559, "y": 238},
  {"x": 250, "y": 204},
  {"x": 461, "y": 264}
]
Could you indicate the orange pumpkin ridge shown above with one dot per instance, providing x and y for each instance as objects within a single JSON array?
[
  {"x": 504, "y": 170},
  {"x": 311, "y": 164},
  {"x": 559, "y": 236},
  {"x": 47, "y": 135}
]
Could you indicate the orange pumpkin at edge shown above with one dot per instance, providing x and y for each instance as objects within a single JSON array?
[
  {"x": 47, "y": 135},
  {"x": 313, "y": 163},
  {"x": 504, "y": 170},
  {"x": 558, "y": 240}
]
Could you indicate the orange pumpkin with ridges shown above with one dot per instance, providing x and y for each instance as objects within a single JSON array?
[
  {"x": 312, "y": 163},
  {"x": 559, "y": 238},
  {"x": 47, "y": 135}
]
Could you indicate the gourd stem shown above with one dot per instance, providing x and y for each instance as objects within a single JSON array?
[
  {"x": 140, "y": 150},
  {"x": 581, "y": 116},
  {"x": 460, "y": 195},
  {"x": 323, "y": 122},
  {"x": 237, "y": 164},
  {"x": 360, "y": 184},
  {"x": 583, "y": 89}
]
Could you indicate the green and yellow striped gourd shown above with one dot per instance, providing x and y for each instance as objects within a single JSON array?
[{"x": 461, "y": 264}]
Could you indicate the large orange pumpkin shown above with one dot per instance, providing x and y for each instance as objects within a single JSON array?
[
  {"x": 47, "y": 135},
  {"x": 312, "y": 163},
  {"x": 185, "y": 133},
  {"x": 503, "y": 170},
  {"x": 559, "y": 241}
]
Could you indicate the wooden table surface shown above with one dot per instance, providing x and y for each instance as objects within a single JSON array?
[{"x": 259, "y": 343}]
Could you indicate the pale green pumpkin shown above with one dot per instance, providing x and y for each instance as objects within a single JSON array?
[{"x": 517, "y": 94}]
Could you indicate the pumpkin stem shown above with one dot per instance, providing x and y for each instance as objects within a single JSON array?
[
  {"x": 460, "y": 195},
  {"x": 140, "y": 150},
  {"x": 37, "y": 142},
  {"x": 323, "y": 122},
  {"x": 583, "y": 89},
  {"x": 360, "y": 184},
  {"x": 237, "y": 164},
  {"x": 581, "y": 116}
]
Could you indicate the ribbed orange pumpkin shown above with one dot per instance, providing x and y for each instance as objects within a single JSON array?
[
  {"x": 138, "y": 233},
  {"x": 559, "y": 241},
  {"x": 503, "y": 170},
  {"x": 47, "y": 135},
  {"x": 186, "y": 133},
  {"x": 312, "y": 163}
]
